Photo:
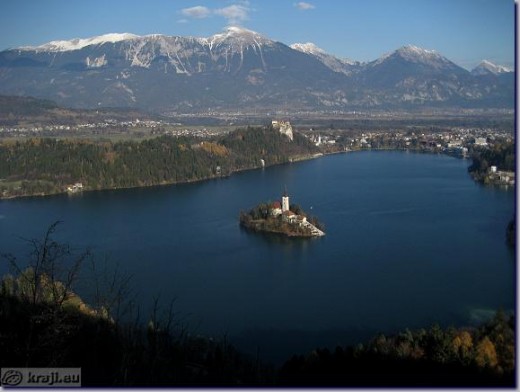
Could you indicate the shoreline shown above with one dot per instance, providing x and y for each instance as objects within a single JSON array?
[
  {"x": 257, "y": 227},
  {"x": 291, "y": 160},
  {"x": 215, "y": 177},
  {"x": 289, "y": 234}
]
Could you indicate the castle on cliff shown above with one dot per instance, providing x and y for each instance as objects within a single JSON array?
[{"x": 284, "y": 127}]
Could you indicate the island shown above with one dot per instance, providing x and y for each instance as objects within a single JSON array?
[{"x": 281, "y": 218}]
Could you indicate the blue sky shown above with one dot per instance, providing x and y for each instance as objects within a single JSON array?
[{"x": 465, "y": 31}]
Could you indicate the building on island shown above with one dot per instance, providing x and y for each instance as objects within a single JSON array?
[
  {"x": 280, "y": 219},
  {"x": 276, "y": 208},
  {"x": 289, "y": 216},
  {"x": 285, "y": 201}
]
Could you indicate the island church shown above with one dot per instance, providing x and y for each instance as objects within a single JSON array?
[
  {"x": 283, "y": 209},
  {"x": 277, "y": 209}
]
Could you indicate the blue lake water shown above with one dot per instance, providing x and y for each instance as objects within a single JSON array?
[{"x": 411, "y": 240}]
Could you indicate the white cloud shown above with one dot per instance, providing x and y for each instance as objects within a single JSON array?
[
  {"x": 199, "y": 12},
  {"x": 235, "y": 14},
  {"x": 302, "y": 5}
]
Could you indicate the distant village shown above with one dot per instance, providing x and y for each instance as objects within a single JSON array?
[
  {"x": 109, "y": 127},
  {"x": 457, "y": 141}
]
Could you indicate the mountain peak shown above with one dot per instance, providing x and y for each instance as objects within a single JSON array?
[
  {"x": 417, "y": 55},
  {"x": 344, "y": 66},
  {"x": 80, "y": 43},
  {"x": 240, "y": 35},
  {"x": 307, "y": 47},
  {"x": 487, "y": 67},
  {"x": 412, "y": 49},
  {"x": 239, "y": 69}
]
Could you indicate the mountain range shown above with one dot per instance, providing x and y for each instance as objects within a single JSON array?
[{"x": 239, "y": 69}]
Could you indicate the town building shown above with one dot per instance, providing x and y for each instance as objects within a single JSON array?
[
  {"x": 481, "y": 141},
  {"x": 77, "y": 187}
]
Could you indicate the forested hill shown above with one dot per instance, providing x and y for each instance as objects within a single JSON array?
[
  {"x": 48, "y": 166},
  {"x": 249, "y": 145}
]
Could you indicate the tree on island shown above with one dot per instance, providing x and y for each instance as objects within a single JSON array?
[{"x": 297, "y": 209}]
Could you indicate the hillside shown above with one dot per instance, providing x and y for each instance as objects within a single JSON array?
[{"x": 48, "y": 166}]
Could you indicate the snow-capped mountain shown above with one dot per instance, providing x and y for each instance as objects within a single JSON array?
[
  {"x": 141, "y": 51},
  {"x": 416, "y": 55},
  {"x": 236, "y": 69},
  {"x": 487, "y": 67},
  {"x": 79, "y": 43},
  {"x": 238, "y": 38},
  {"x": 344, "y": 66},
  {"x": 412, "y": 75}
]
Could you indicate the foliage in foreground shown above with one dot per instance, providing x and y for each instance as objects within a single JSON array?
[
  {"x": 41, "y": 335},
  {"x": 483, "y": 356},
  {"x": 43, "y": 323}
]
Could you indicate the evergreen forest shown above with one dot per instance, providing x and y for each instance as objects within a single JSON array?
[{"x": 45, "y": 166}]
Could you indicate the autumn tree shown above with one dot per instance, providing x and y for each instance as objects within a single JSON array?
[
  {"x": 486, "y": 355},
  {"x": 462, "y": 345}
]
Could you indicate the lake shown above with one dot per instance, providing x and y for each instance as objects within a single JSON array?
[{"x": 411, "y": 241}]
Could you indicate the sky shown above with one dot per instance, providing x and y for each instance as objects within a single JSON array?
[{"x": 465, "y": 31}]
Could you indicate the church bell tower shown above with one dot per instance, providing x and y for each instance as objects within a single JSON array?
[{"x": 285, "y": 201}]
